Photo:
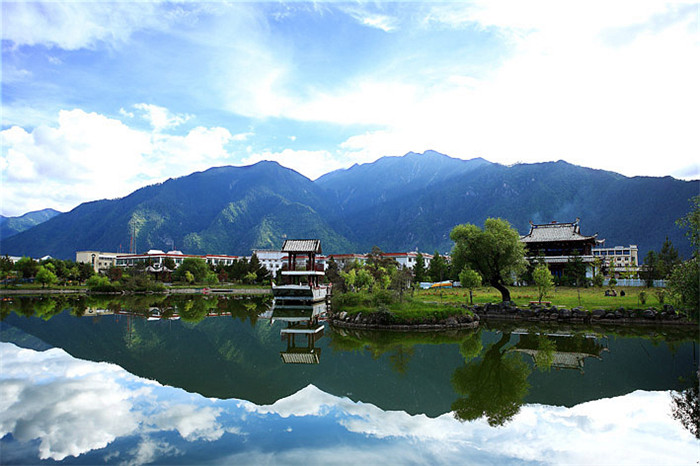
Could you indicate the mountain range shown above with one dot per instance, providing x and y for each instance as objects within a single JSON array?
[
  {"x": 397, "y": 203},
  {"x": 12, "y": 225}
]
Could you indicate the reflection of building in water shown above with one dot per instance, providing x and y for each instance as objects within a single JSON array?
[
  {"x": 93, "y": 311},
  {"x": 302, "y": 332},
  {"x": 568, "y": 351}
]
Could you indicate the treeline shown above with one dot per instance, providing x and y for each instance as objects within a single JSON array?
[{"x": 44, "y": 272}]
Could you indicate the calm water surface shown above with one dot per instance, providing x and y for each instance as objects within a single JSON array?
[{"x": 185, "y": 380}]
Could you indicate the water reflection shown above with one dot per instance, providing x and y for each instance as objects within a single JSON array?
[
  {"x": 223, "y": 347},
  {"x": 302, "y": 330},
  {"x": 57, "y": 407}
]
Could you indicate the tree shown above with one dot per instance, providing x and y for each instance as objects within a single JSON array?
[
  {"x": 543, "y": 281},
  {"x": 196, "y": 266},
  {"x": 437, "y": 270},
  {"x": 27, "y": 267},
  {"x": 260, "y": 271},
  {"x": 6, "y": 267},
  {"x": 419, "y": 269},
  {"x": 495, "y": 252},
  {"x": 649, "y": 271},
  {"x": 470, "y": 280},
  {"x": 45, "y": 276},
  {"x": 668, "y": 258},
  {"x": 575, "y": 270},
  {"x": 691, "y": 222},
  {"x": 684, "y": 285}
]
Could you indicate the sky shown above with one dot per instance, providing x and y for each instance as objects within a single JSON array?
[{"x": 101, "y": 98}]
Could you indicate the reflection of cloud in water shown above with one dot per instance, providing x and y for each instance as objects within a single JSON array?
[
  {"x": 74, "y": 407},
  {"x": 81, "y": 409}
]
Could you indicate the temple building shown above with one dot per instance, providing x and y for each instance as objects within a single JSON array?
[{"x": 557, "y": 243}]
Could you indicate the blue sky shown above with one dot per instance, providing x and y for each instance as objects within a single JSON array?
[{"x": 101, "y": 98}]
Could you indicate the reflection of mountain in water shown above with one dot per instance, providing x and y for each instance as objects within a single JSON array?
[{"x": 237, "y": 353}]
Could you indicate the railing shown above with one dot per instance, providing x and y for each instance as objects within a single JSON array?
[{"x": 635, "y": 282}]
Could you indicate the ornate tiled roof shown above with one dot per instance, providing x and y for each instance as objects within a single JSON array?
[
  {"x": 303, "y": 246},
  {"x": 547, "y": 232}
]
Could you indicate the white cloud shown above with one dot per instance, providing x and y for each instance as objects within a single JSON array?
[
  {"x": 161, "y": 118},
  {"x": 76, "y": 25},
  {"x": 564, "y": 93},
  {"x": 311, "y": 164},
  {"x": 72, "y": 407},
  {"x": 102, "y": 156},
  {"x": 82, "y": 410}
]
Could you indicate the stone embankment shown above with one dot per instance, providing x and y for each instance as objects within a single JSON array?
[
  {"x": 386, "y": 321},
  {"x": 539, "y": 313},
  {"x": 509, "y": 311}
]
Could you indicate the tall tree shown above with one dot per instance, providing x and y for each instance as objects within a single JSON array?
[
  {"x": 437, "y": 269},
  {"x": 470, "y": 280},
  {"x": 668, "y": 258},
  {"x": 495, "y": 252},
  {"x": 650, "y": 270},
  {"x": 419, "y": 273},
  {"x": 543, "y": 281}
]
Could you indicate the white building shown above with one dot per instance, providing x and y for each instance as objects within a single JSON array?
[{"x": 100, "y": 261}]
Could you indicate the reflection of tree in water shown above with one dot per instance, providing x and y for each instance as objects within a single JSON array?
[
  {"x": 400, "y": 358},
  {"x": 686, "y": 408},
  {"x": 494, "y": 387}
]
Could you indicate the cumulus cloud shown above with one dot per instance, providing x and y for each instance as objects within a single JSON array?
[
  {"x": 161, "y": 118},
  {"x": 102, "y": 155}
]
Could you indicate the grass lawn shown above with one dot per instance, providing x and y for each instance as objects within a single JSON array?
[{"x": 590, "y": 298}]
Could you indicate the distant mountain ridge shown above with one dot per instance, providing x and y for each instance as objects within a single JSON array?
[
  {"x": 12, "y": 225},
  {"x": 397, "y": 203}
]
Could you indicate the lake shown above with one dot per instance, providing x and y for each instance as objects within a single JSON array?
[{"x": 214, "y": 380}]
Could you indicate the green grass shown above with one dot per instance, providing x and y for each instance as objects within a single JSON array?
[
  {"x": 590, "y": 298},
  {"x": 410, "y": 310}
]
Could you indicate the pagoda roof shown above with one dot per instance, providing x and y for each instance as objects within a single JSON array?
[
  {"x": 548, "y": 232},
  {"x": 304, "y": 246}
]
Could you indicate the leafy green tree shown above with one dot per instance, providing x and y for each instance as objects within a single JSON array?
[
  {"x": 668, "y": 258},
  {"x": 196, "y": 266},
  {"x": 437, "y": 269},
  {"x": 650, "y": 269},
  {"x": 349, "y": 278},
  {"x": 575, "y": 270},
  {"x": 543, "y": 281},
  {"x": 419, "y": 272},
  {"x": 495, "y": 252},
  {"x": 6, "y": 267},
  {"x": 85, "y": 271},
  {"x": 27, "y": 267},
  {"x": 691, "y": 222},
  {"x": 254, "y": 266},
  {"x": 364, "y": 279},
  {"x": 45, "y": 276},
  {"x": 684, "y": 285},
  {"x": 189, "y": 276},
  {"x": 470, "y": 279}
]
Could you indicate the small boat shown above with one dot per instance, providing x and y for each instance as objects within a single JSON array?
[{"x": 303, "y": 281}]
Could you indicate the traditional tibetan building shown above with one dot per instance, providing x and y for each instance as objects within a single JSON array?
[{"x": 557, "y": 243}]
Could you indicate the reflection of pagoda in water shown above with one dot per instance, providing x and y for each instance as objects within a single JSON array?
[
  {"x": 302, "y": 332},
  {"x": 568, "y": 350}
]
